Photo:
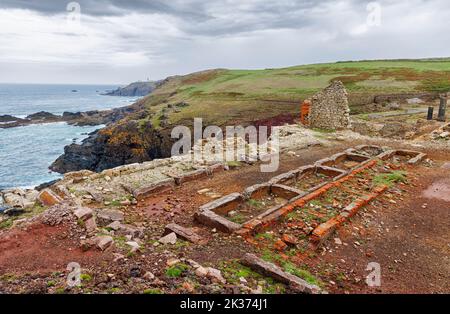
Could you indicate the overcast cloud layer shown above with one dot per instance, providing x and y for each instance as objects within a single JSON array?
[{"x": 119, "y": 41}]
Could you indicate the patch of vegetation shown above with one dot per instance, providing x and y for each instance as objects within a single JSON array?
[
  {"x": 301, "y": 273},
  {"x": 7, "y": 223},
  {"x": 8, "y": 277},
  {"x": 115, "y": 203},
  {"x": 86, "y": 277},
  {"x": 265, "y": 235},
  {"x": 152, "y": 291},
  {"x": 238, "y": 218},
  {"x": 255, "y": 203},
  {"x": 177, "y": 270},
  {"x": 233, "y": 270},
  {"x": 81, "y": 223},
  {"x": 389, "y": 179},
  {"x": 113, "y": 290},
  {"x": 234, "y": 164},
  {"x": 51, "y": 283}
]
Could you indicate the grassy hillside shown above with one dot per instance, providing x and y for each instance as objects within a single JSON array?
[
  {"x": 248, "y": 95},
  {"x": 232, "y": 97}
]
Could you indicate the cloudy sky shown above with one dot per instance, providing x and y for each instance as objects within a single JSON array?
[{"x": 119, "y": 41}]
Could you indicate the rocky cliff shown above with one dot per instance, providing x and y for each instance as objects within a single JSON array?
[
  {"x": 134, "y": 89},
  {"x": 125, "y": 142}
]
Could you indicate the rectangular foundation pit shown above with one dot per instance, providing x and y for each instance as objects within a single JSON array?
[
  {"x": 229, "y": 213},
  {"x": 308, "y": 178},
  {"x": 403, "y": 156},
  {"x": 344, "y": 161},
  {"x": 259, "y": 201}
]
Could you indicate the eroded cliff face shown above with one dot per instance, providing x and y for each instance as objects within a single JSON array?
[{"x": 123, "y": 143}]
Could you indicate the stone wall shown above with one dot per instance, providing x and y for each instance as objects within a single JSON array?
[{"x": 329, "y": 108}]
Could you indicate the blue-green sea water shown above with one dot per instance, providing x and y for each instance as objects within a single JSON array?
[{"x": 27, "y": 152}]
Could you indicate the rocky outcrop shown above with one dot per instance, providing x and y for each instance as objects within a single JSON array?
[
  {"x": 134, "y": 89},
  {"x": 94, "y": 117},
  {"x": 123, "y": 143},
  {"x": 43, "y": 116},
  {"x": 329, "y": 108}
]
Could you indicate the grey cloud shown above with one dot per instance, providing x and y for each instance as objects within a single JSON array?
[{"x": 199, "y": 17}]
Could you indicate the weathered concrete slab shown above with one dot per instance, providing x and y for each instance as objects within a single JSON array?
[
  {"x": 213, "y": 220},
  {"x": 107, "y": 216},
  {"x": 183, "y": 233},
  {"x": 159, "y": 186},
  {"x": 191, "y": 176},
  {"x": 271, "y": 270},
  {"x": 84, "y": 213}
]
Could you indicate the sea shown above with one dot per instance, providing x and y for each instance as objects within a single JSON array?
[{"x": 27, "y": 152}]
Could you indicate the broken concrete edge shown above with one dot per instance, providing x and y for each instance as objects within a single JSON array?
[
  {"x": 326, "y": 229},
  {"x": 191, "y": 176},
  {"x": 221, "y": 201},
  {"x": 364, "y": 146},
  {"x": 282, "y": 177},
  {"x": 183, "y": 233},
  {"x": 295, "y": 191},
  {"x": 417, "y": 159},
  {"x": 271, "y": 270},
  {"x": 213, "y": 220},
  {"x": 159, "y": 186}
]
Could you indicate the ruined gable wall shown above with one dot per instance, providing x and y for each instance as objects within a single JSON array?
[{"x": 329, "y": 108}]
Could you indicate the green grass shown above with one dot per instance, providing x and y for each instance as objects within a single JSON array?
[
  {"x": 86, "y": 277},
  {"x": 152, "y": 291},
  {"x": 29, "y": 212},
  {"x": 302, "y": 273},
  {"x": 246, "y": 95},
  {"x": 177, "y": 270},
  {"x": 389, "y": 179}
]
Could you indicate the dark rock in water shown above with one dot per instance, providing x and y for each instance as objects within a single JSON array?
[
  {"x": 46, "y": 185},
  {"x": 9, "y": 118},
  {"x": 117, "y": 145},
  {"x": 71, "y": 116},
  {"x": 43, "y": 115},
  {"x": 134, "y": 89},
  {"x": 74, "y": 91}
]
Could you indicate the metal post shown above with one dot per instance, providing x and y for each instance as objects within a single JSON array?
[
  {"x": 442, "y": 109},
  {"x": 430, "y": 113}
]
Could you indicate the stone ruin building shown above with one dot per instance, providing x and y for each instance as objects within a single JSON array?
[{"x": 329, "y": 108}]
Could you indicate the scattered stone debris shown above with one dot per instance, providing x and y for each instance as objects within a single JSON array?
[
  {"x": 107, "y": 216},
  {"x": 83, "y": 213},
  {"x": 104, "y": 242},
  {"x": 171, "y": 238},
  {"x": 184, "y": 233},
  {"x": 48, "y": 198}
]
